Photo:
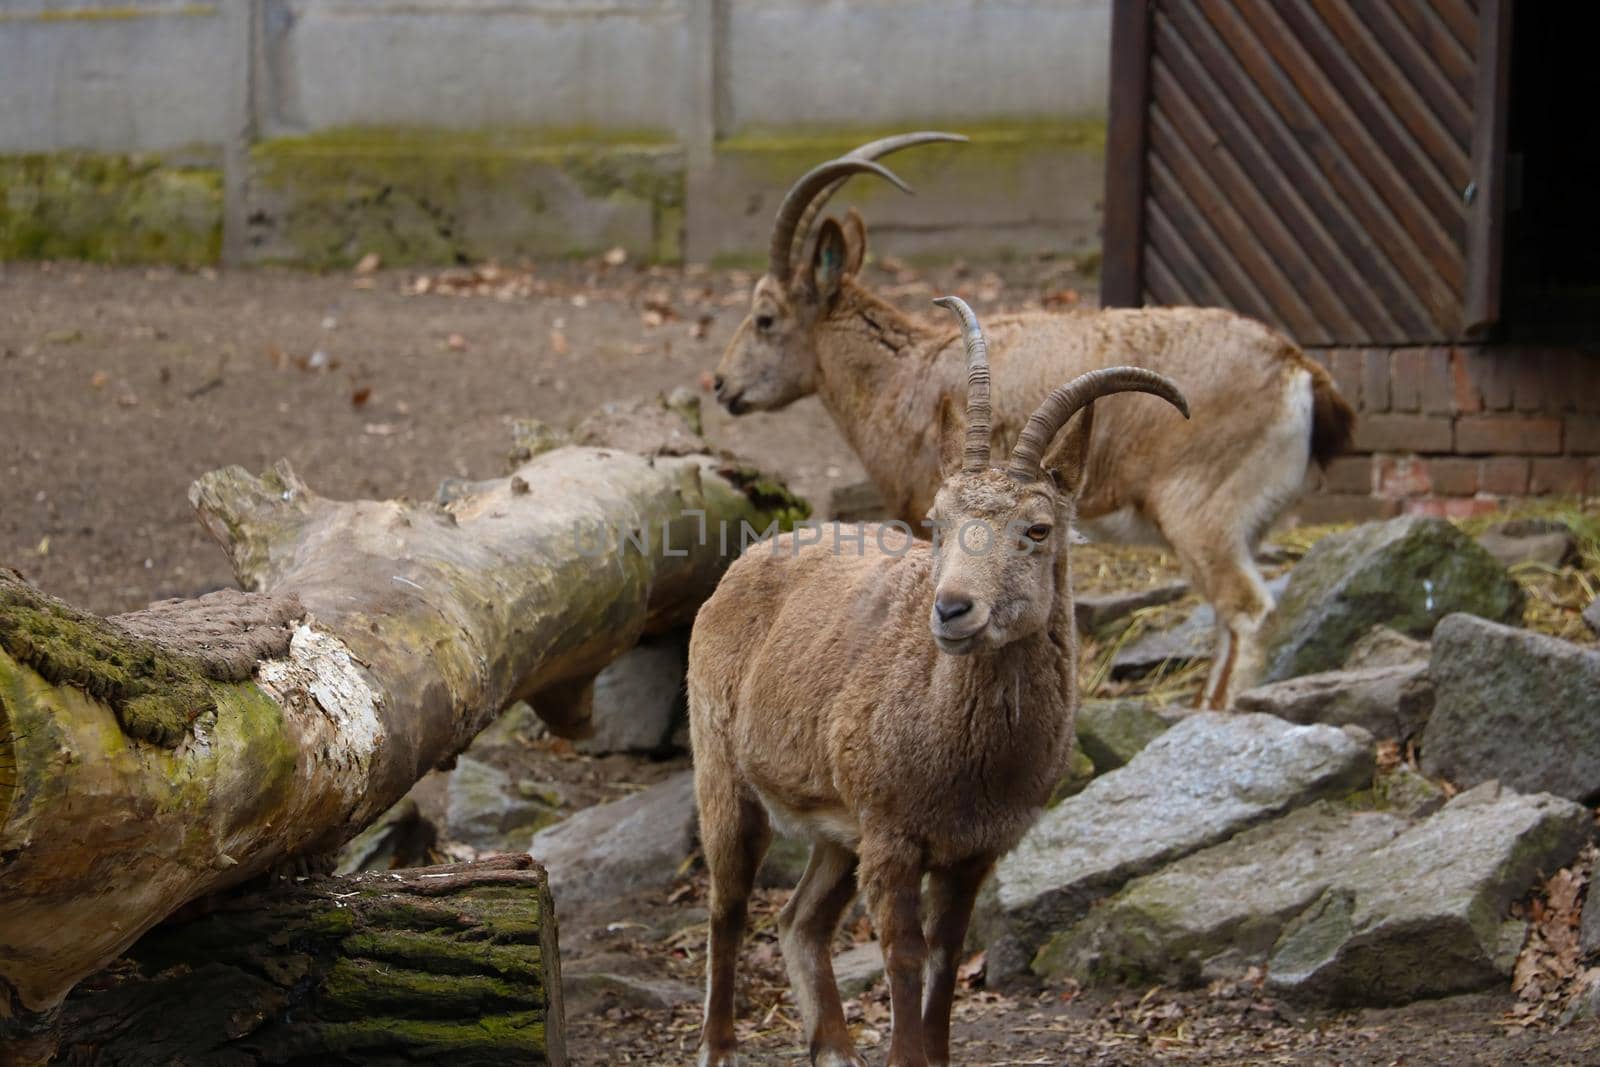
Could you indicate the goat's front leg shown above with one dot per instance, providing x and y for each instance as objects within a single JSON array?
[
  {"x": 891, "y": 876},
  {"x": 952, "y": 891}
]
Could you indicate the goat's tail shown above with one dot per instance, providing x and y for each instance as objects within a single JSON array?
[{"x": 1333, "y": 420}]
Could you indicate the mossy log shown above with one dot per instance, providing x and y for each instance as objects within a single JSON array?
[
  {"x": 152, "y": 758},
  {"x": 452, "y": 964}
]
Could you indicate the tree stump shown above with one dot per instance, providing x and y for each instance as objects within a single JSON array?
[{"x": 455, "y": 964}]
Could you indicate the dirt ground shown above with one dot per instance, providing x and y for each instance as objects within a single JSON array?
[{"x": 118, "y": 387}]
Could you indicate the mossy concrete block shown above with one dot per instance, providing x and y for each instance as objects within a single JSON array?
[
  {"x": 1196, "y": 785},
  {"x": 1513, "y": 705},
  {"x": 1014, "y": 189},
  {"x": 1112, "y": 732},
  {"x": 1426, "y": 914},
  {"x": 109, "y": 209},
  {"x": 425, "y": 197},
  {"x": 1407, "y": 574},
  {"x": 1217, "y": 912}
]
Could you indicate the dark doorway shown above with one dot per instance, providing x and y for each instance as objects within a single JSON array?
[{"x": 1552, "y": 240}]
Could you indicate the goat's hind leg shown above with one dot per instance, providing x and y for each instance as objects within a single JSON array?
[
  {"x": 734, "y": 834},
  {"x": 806, "y": 927}
]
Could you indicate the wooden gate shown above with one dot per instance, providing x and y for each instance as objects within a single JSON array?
[{"x": 1332, "y": 167}]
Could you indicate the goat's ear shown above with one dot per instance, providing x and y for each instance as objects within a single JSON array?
[
  {"x": 952, "y": 436},
  {"x": 855, "y": 242},
  {"x": 828, "y": 260},
  {"x": 1068, "y": 454}
]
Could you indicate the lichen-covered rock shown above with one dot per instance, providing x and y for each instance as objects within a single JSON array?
[
  {"x": 1426, "y": 914},
  {"x": 1406, "y": 791},
  {"x": 1112, "y": 732},
  {"x": 639, "y": 698},
  {"x": 1219, "y": 911},
  {"x": 1513, "y": 705},
  {"x": 1407, "y": 574},
  {"x": 484, "y": 808},
  {"x": 1199, "y": 783},
  {"x": 1591, "y": 615},
  {"x": 610, "y": 849},
  {"x": 1385, "y": 701}
]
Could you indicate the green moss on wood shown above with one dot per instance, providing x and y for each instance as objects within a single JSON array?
[
  {"x": 156, "y": 695},
  {"x": 109, "y": 209}
]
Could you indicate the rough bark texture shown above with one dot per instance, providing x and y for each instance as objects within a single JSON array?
[
  {"x": 436, "y": 964},
  {"x": 141, "y": 767}
]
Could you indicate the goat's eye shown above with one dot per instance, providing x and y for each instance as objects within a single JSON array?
[
  {"x": 1038, "y": 532},
  {"x": 763, "y": 323}
]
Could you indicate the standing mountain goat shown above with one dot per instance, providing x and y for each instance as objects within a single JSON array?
[
  {"x": 905, "y": 706},
  {"x": 1264, "y": 410}
]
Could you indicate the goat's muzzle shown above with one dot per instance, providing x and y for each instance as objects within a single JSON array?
[{"x": 957, "y": 622}]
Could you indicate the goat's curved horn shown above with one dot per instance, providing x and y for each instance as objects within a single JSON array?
[
  {"x": 871, "y": 150},
  {"x": 975, "y": 456},
  {"x": 802, "y": 193},
  {"x": 1065, "y": 400}
]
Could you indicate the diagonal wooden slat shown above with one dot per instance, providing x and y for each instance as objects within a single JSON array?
[
  {"x": 1461, "y": 18},
  {"x": 1251, "y": 231},
  {"x": 1375, "y": 277},
  {"x": 1435, "y": 38},
  {"x": 1168, "y": 247},
  {"x": 1351, "y": 139},
  {"x": 1369, "y": 183},
  {"x": 1371, "y": 84},
  {"x": 1271, "y": 196},
  {"x": 1161, "y": 288},
  {"x": 1242, "y": 293},
  {"x": 1414, "y": 64}
]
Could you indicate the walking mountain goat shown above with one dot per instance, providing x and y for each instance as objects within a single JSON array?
[
  {"x": 1264, "y": 410},
  {"x": 906, "y": 706}
]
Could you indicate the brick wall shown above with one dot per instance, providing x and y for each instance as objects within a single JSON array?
[{"x": 1454, "y": 430}]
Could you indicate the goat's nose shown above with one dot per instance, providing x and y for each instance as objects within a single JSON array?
[
  {"x": 951, "y": 605},
  {"x": 717, "y": 383}
]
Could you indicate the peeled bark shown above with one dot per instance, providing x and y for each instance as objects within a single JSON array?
[
  {"x": 149, "y": 759},
  {"x": 450, "y": 964}
]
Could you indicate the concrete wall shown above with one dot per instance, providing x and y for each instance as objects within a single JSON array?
[{"x": 668, "y": 126}]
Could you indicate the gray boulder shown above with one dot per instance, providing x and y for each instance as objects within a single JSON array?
[
  {"x": 1092, "y": 611},
  {"x": 611, "y": 849},
  {"x": 1407, "y": 573},
  {"x": 1591, "y": 615},
  {"x": 1080, "y": 772},
  {"x": 639, "y": 698},
  {"x": 1112, "y": 732},
  {"x": 1198, "y": 784},
  {"x": 1425, "y": 914},
  {"x": 402, "y": 837},
  {"x": 1219, "y": 911},
  {"x": 595, "y": 985},
  {"x": 1385, "y": 701},
  {"x": 1191, "y": 639},
  {"x": 1545, "y": 541},
  {"x": 1382, "y": 646},
  {"x": 857, "y": 968},
  {"x": 1405, "y": 791},
  {"x": 484, "y": 808},
  {"x": 1514, "y": 705}
]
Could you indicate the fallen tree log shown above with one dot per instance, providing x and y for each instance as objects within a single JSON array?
[
  {"x": 430, "y": 964},
  {"x": 151, "y": 758}
]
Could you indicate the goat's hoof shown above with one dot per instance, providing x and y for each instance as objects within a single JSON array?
[{"x": 721, "y": 1057}]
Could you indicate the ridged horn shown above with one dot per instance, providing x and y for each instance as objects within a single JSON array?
[
  {"x": 975, "y": 456},
  {"x": 800, "y": 196},
  {"x": 871, "y": 150},
  {"x": 1066, "y": 400}
]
